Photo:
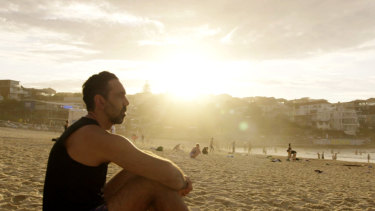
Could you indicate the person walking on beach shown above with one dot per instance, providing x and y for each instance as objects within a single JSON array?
[
  {"x": 334, "y": 156},
  {"x": 289, "y": 150},
  {"x": 248, "y": 148},
  {"x": 368, "y": 158},
  {"x": 78, "y": 161},
  {"x": 212, "y": 144}
]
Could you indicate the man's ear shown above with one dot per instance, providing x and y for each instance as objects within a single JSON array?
[{"x": 99, "y": 101}]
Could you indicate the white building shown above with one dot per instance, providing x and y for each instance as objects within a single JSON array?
[
  {"x": 344, "y": 119},
  {"x": 322, "y": 118},
  {"x": 314, "y": 113},
  {"x": 10, "y": 89},
  {"x": 323, "y": 115}
]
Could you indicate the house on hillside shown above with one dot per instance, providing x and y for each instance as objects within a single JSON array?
[
  {"x": 321, "y": 114},
  {"x": 365, "y": 110},
  {"x": 344, "y": 119},
  {"x": 313, "y": 113},
  {"x": 10, "y": 89},
  {"x": 274, "y": 109},
  {"x": 33, "y": 92}
]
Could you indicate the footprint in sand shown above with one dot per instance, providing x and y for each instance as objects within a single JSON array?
[
  {"x": 199, "y": 200},
  {"x": 27, "y": 183},
  {"x": 9, "y": 206},
  {"x": 17, "y": 199},
  {"x": 225, "y": 201}
]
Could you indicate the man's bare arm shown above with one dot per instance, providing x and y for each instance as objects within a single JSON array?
[{"x": 121, "y": 151}]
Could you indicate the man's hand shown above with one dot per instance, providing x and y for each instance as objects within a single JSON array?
[{"x": 189, "y": 186}]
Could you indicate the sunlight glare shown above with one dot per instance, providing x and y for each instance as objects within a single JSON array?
[{"x": 187, "y": 76}]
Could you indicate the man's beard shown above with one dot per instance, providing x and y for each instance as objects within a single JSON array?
[{"x": 118, "y": 119}]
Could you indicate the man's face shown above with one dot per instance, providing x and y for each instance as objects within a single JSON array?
[{"x": 115, "y": 107}]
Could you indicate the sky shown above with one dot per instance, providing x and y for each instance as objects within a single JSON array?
[{"x": 322, "y": 49}]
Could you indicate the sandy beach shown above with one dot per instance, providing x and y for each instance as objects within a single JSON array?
[{"x": 221, "y": 181}]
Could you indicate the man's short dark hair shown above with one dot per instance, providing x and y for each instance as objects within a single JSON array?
[{"x": 96, "y": 84}]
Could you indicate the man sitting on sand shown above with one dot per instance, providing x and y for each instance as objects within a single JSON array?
[
  {"x": 195, "y": 151},
  {"x": 78, "y": 161},
  {"x": 205, "y": 150},
  {"x": 294, "y": 154}
]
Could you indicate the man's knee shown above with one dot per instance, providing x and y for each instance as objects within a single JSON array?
[{"x": 143, "y": 192}]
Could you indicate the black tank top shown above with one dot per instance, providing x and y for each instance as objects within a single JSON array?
[{"x": 70, "y": 185}]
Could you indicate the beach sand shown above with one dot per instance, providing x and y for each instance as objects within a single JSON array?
[{"x": 221, "y": 181}]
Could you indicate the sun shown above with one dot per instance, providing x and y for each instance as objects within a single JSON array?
[{"x": 187, "y": 76}]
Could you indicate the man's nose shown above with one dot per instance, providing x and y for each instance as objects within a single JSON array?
[{"x": 126, "y": 101}]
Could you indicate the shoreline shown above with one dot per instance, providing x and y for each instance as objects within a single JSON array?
[
  {"x": 284, "y": 158},
  {"x": 221, "y": 181},
  {"x": 14, "y": 133}
]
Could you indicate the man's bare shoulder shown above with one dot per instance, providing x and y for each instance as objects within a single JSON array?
[
  {"x": 94, "y": 133},
  {"x": 92, "y": 145}
]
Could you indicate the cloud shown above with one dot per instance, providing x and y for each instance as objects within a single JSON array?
[
  {"x": 228, "y": 38},
  {"x": 147, "y": 30},
  {"x": 58, "y": 85}
]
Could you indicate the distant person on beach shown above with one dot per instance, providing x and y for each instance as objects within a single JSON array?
[
  {"x": 323, "y": 155},
  {"x": 368, "y": 158},
  {"x": 289, "y": 150},
  {"x": 294, "y": 154},
  {"x": 334, "y": 156},
  {"x": 205, "y": 150},
  {"x": 195, "y": 151},
  {"x": 177, "y": 147},
  {"x": 113, "y": 129},
  {"x": 212, "y": 144},
  {"x": 66, "y": 125},
  {"x": 78, "y": 161},
  {"x": 134, "y": 137},
  {"x": 318, "y": 155}
]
